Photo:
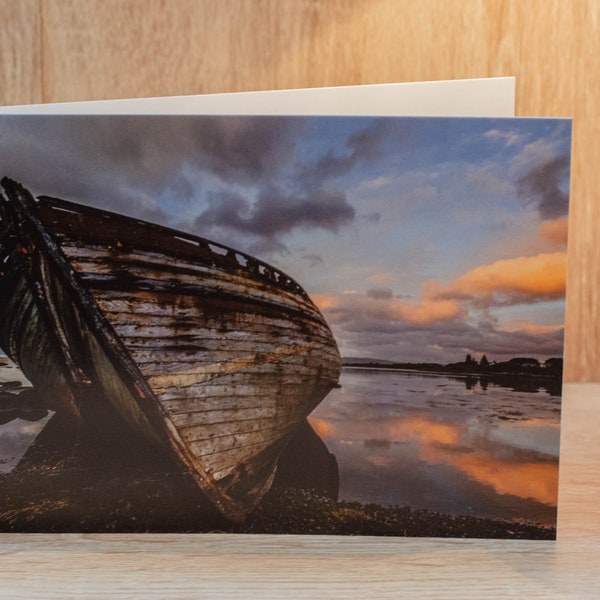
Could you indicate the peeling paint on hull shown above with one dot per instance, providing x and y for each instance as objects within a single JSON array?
[{"x": 205, "y": 350}]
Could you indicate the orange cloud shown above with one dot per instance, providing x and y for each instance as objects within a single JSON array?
[
  {"x": 529, "y": 327},
  {"x": 511, "y": 281},
  {"x": 325, "y": 302},
  {"x": 322, "y": 428},
  {"x": 527, "y": 278},
  {"x": 390, "y": 308},
  {"x": 555, "y": 232},
  {"x": 426, "y": 313}
]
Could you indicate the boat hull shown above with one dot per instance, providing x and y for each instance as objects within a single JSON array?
[{"x": 204, "y": 350}]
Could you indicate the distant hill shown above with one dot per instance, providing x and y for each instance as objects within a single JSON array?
[{"x": 352, "y": 360}]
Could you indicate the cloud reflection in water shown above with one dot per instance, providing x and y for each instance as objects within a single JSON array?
[{"x": 433, "y": 442}]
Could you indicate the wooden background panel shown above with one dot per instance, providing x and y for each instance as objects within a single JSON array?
[
  {"x": 20, "y": 52},
  {"x": 61, "y": 50}
]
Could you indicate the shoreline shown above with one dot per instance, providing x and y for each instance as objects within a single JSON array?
[
  {"x": 286, "y": 511},
  {"x": 304, "y": 512},
  {"x": 58, "y": 499},
  {"x": 446, "y": 371}
]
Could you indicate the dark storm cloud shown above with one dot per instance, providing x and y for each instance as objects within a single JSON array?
[
  {"x": 148, "y": 149},
  {"x": 365, "y": 144},
  {"x": 74, "y": 162},
  {"x": 310, "y": 200},
  {"x": 128, "y": 164},
  {"x": 542, "y": 186},
  {"x": 275, "y": 212},
  {"x": 111, "y": 161},
  {"x": 243, "y": 148}
]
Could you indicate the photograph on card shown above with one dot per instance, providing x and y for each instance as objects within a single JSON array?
[{"x": 282, "y": 324}]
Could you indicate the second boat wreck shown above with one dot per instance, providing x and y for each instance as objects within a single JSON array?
[{"x": 204, "y": 350}]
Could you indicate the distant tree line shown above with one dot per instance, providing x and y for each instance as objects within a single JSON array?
[
  {"x": 552, "y": 367},
  {"x": 520, "y": 364}
]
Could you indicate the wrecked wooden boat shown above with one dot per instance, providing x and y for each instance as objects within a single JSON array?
[{"x": 209, "y": 352}]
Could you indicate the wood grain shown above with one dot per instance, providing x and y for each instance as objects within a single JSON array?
[
  {"x": 61, "y": 50},
  {"x": 20, "y": 52},
  {"x": 234, "y": 566}
]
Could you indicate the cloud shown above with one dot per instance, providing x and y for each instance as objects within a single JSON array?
[
  {"x": 524, "y": 325},
  {"x": 538, "y": 152},
  {"x": 313, "y": 259},
  {"x": 440, "y": 316},
  {"x": 441, "y": 326},
  {"x": 275, "y": 212},
  {"x": 541, "y": 186},
  {"x": 484, "y": 179},
  {"x": 529, "y": 340},
  {"x": 363, "y": 145},
  {"x": 112, "y": 161},
  {"x": 513, "y": 281},
  {"x": 380, "y": 293},
  {"x": 508, "y": 138},
  {"x": 555, "y": 232},
  {"x": 133, "y": 164},
  {"x": 358, "y": 334},
  {"x": 371, "y": 217},
  {"x": 383, "y": 306}
]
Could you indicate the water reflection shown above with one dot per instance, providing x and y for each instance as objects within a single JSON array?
[
  {"x": 451, "y": 444},
  {"x": 516, "y": 383},
  {"x": 22, "y": 418}
]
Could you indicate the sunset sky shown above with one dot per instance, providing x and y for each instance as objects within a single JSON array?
[{"x": 421, "y": 239}]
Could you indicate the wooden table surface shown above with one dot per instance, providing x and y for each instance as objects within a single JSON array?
[{"x": 238, "y": 566}]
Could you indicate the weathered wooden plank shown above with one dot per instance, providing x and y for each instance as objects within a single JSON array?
[
  {"x": 99, "y": 261},
  {"x": 226, "y": 395},
  {"x": 232, "y": 450},
  {"x": 271, "y": 386},
  {"x": 174, "y": 359},
  {"x": 242, "y": 432},
  {"x": 138, "y": 317},
  {"x": 226, "y": 415},
  {"x": 109, "y": 232},
  {"x": 197, "y": 342}
]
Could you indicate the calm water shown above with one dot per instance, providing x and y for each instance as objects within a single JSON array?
[{"x": 450, "y": 444}]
